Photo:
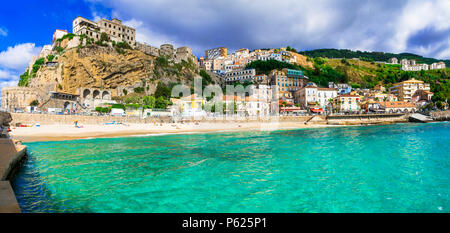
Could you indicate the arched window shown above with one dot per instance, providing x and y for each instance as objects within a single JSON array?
[
  {"x": 96, "y": 94},
  {"x": 86, "y": 93},
  {"x": 106, "y": 95}
]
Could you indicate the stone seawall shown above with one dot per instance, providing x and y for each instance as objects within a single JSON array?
[{"x": 45, "y": 119}]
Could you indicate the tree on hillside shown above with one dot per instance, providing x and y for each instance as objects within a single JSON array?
[
  {"x": 162, "y": 90},
  {"x": 149, "y": 101},
  {"x": 104, "y": 37},
  {"x": 264, "y": 67},
  {"x": 161, "y": 103},
  {"x": 289, "y": 48},
  {"x": 206, "y": 77}
]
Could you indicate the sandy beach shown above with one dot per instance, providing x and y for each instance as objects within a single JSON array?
[{"x": 70, "y": 132}]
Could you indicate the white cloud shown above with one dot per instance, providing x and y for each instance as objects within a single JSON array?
[
  {"x": 444, "y": 54},
  {"x": 147, "y": 35},
  {"x": 3, "y": 31},
  {"x": 381, "y": 25},
  {"x": 9, "y": 83},
  {"x": 6, "y": 75},
  {"x": 416, "y": 16},
  {"x": 18, "y": 57},
  {"x": 7, "y": 79},
  {"x": 14, "y": 61}
]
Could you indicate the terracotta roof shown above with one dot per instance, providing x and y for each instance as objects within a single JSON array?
[
  {"x": 397, "y": 104},
  {"x": 251, "y": 99},
  {"x": 280, "y": 102},
  {"x": 326, "y": 89},
  {"x": 413, "y": 80},
  {"x": 232, "y": 97}
]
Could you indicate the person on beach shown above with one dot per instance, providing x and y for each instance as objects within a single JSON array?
[{"x": 76, "y": 124}]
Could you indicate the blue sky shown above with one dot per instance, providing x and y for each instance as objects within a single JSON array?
[
  {"x": 35, "y": 21},
  {"x": 417, "y": 26}
]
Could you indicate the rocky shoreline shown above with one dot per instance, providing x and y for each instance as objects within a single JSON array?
[{"x": 441, "y": 115}]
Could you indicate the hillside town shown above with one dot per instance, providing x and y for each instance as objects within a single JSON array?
[{"x": 283, "y": 91}]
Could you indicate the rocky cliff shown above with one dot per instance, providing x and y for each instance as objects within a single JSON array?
[
  {"x": 5, "y": 119},
  {"x": 102, "y": 67}
]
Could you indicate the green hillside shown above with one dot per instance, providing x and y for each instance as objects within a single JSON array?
[
  {"x": 362, "y": 74},
  {"x": 368, "y": 56}
]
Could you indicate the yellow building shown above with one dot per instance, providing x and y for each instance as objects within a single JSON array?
[
  {"x": 406, "y": 89},
  {"x": 287, "y": 81},
  {"x": 192, "y": 103}
]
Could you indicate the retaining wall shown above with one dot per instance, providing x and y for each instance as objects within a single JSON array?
[{"x": 44, "y": 119}]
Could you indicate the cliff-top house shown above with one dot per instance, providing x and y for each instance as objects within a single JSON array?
[{"x": 113, "y": 28}]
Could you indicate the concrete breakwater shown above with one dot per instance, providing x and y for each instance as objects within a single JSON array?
[{"x": 11, "y": 154}]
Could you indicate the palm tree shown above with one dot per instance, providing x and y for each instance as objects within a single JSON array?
[{"x": 330, "y": 105}]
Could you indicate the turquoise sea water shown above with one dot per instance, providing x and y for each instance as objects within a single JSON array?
[{"x": 391, "y": 168}]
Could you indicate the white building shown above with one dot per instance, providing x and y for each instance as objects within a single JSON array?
[
  {"x": 410, "y": 65},
  {"x": 46, "y": 50},
  {"x": 313, "y": 95},
  {"x": 113, "y": 28},
  {"x": 347, "y": 103},
  {"x": 240, "y": 76},
  {"x": 438, "y": 65},
  {"x": 207, "y": 65},
  {"x": 393, "y": 60},
  {"x": 58, "y": 34},
  {"x": 212, "y": 54}
]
